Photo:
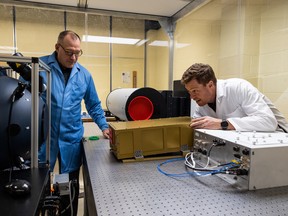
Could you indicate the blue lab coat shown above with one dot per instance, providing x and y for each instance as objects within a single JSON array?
[{"x": 66, "y": 124}]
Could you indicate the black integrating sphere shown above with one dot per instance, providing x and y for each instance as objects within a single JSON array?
[{"x": 15, "y": 122}]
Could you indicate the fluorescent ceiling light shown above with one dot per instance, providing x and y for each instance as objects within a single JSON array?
[
  {"x": 128, "y": 41},
  {"x": 181, "y": 45},
  {"x": 141, "y": 42},
  {"x": 166, "y": 44},
  {"x": 114, "y": 40},
  {"x": 8, "y": 47},
  {"x": 159, "y": 43}
]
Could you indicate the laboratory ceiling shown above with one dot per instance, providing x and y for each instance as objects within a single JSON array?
[{"x": 144, "y": 8}]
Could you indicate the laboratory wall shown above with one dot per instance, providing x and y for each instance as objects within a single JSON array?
[
  {"x": 115, "y": 49},
  {"x": 238, "y": 38},
  {"x": 157, "y": 75}
]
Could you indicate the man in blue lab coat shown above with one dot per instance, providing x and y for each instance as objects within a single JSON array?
[{"x": 71, "y": 83}]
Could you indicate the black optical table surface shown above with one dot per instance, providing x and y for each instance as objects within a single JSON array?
[
  {"x": 26, "y": 205},
  {"x": 138, "y": 188}
]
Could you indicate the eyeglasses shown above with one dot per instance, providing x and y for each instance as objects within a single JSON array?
[{"x": 71, "y": 53}]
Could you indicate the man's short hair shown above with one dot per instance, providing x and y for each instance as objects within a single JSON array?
[
  {"x": 203, "y": 73},
  {"x": 62, "y": 35}
]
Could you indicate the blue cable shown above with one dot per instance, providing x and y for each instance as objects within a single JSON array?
[{"x": 187, "y": 174}]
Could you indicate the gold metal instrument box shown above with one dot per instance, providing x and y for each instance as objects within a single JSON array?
[{"x": 137, "y": 139}]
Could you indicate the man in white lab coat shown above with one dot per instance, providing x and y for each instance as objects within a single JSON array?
[{"x": 231, "y": 104}]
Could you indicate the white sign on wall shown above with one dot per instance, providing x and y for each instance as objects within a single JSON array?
[{"x": 126, "y": 77}]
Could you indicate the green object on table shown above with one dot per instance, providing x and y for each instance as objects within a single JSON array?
[{"x": 93, "y": 138}]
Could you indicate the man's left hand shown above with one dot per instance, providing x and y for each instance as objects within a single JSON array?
[{"x": 106, "y": 133}]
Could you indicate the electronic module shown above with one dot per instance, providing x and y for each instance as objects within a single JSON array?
[{"x": 262, "y": 157}]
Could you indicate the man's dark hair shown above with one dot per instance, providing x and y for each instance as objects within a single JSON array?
[{"x": 202, "y": 73}]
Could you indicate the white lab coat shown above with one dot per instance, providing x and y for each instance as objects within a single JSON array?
[{"x": 244, "y": 106}]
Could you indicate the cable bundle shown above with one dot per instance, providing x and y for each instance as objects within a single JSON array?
[{"x": 189, "y": 161}]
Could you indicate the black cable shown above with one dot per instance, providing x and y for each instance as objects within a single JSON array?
[
  {"x": 209, "y": 151},
  {"x": 71, "y": 197}
]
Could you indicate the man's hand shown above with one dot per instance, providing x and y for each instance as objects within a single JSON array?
[
  {"x": 106, "y": 133},
  {"x": 206, "y": 122}
]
